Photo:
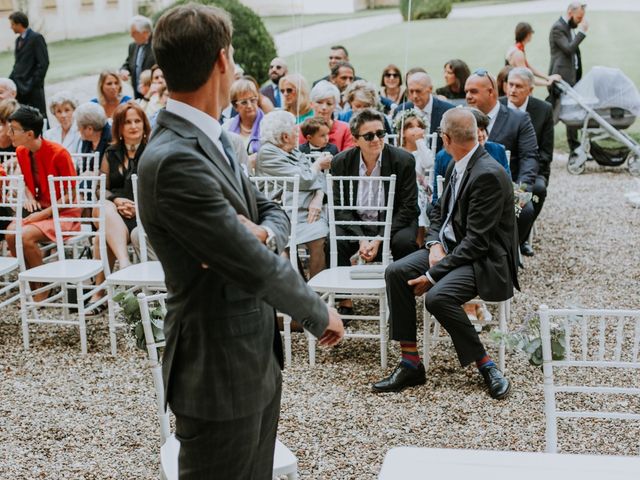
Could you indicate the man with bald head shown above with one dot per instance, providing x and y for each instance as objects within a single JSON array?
[
  {"x": 277, "y": 69},
  {"x": 513, "y": 129},
  {"x": 566, "y": 35},
  {"x": 471, "y": 250},
  {"x": 419, "y": 94}
]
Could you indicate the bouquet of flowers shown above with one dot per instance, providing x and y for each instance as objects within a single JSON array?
[
  {"x": 131, "y": 312},
  {"x": 521, "y": 197}
]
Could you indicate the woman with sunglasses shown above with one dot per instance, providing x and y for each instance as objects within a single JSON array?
[
  {"x": 245, "y": 98},
  {"x": 456, "y": 73},
  {"x": 391, "y": 84},
  {"x": 295, "y": 96},
  {"x": 372, "y": 157}
]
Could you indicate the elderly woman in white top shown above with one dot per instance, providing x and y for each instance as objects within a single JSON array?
[
  {"x": 66, "y": 133},
  {"x": 279, "y": 156}
]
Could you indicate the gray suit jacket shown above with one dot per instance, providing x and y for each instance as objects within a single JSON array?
[
  {"x": 223, "y": 284},
  {"x": 563, "y": 50}
]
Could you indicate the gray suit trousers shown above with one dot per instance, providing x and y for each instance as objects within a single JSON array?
[
  {"x": 239, "y": 449},
  {"x": 444, "y": 301}
]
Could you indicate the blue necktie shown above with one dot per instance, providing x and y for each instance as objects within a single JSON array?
[{"x": 278, "y": 100}]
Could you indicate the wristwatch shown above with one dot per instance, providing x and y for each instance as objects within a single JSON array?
[{"x": 270, "y": 242}]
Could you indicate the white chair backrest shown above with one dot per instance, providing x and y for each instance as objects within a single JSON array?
[
  {"x": 11, "y": 201},
  {"x": 508, "y": 153},
  {"x": 142, "y": 239},
  {"x": 274, "y": 188},
  {"x": 148, "y": 325},
  {"x": 342, "y": 196},
  {"x": 9, "y": 162},
  {"x": 439, "y": 185},
  {"x": 67, "y": 196},
  {"x": 392, "y": 139},
  {"x": 432, "y": 142},
  {"x": 605, "y": 339},
  {"x": 86, "y": 163}
]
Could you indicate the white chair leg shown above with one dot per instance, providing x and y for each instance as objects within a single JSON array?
[
  {"x": 65, "y": 299},
  {"x": 112, "y": 320},
  {"x": 383, "y": 331},
  {"x": 287, "y": 339},
  {"x": 81, "y": 319},
  {"x": 312, "y": 349},
  {"x": 24, "y": 314},
  {"x": 503, "y": 330}
]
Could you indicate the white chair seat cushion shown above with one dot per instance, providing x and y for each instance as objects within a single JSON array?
[
  {"x": 338, "y": 279},
  {"x": 284, "y": 461},
  {"x": 169, "y": 458},
  {"x": 145, "y": 273},
  {"x": 68, "y": 270},
  {"x": 8, "y": 264}
]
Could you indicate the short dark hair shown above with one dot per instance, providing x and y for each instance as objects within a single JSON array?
[
  {"x": 460, "y": 71},
  {"x": 340, "y": 47},
  {"x": 523, "y": 29},
  {"x": 187, "y": 42},
  {"x": 411, "y": 71},
  {"x": 336, "y": 68},
  {"x": 481, "y": 119},
  {"x": 363, "y": 116},
  {"x": 20, "y": 18},
  {"x": 29, "y": 118},
  {"x": 502, "y": 78},
  {"x": 311, "y": 126}
]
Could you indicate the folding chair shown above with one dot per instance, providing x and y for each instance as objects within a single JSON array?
[
  {"x": 593, "y": 339},
  {"x": 11, "y": 201},
  {"x": 274, "y": 188},
  {"x": 284, "y": 462},
  {"x": 67, "y": 273},
  {"x": 143, "y": 276},
  {"x": 343, "y": 282}
]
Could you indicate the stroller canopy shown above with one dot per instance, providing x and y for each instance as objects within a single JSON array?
[{"x": 601, "y": 88}]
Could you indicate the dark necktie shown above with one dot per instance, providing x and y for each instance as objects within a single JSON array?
[
  {"x": 20, "y": 42},
  {"x": 139, "y": 60},
  {"x": 450, "y": 204}
]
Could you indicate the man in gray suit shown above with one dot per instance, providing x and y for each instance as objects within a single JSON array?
[
  {"x": 218, "y": 240},
  {"x": 566, "y": 61}
]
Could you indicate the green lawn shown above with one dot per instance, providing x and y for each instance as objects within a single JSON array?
[
  {"x": 611, "y": 41},
  {"x": 279, "y": 24},
  {"x": 73, "y": 58}
]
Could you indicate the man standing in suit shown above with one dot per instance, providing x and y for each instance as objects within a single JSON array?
[
  {"x": 513, "y": 129},
  {"x": 218, "y": 240},
  {"x": 520, "y": 86},
  {"x": 31, "y": 64},
  {"x": 277, "y": 69},
  {"x": 566, "y": 61},
  {"x": 140, "y": 57},
  {"x": 419, "y": 93},
  {"x": 471, "y": 250},
  {"x": 337, "y": 54}
]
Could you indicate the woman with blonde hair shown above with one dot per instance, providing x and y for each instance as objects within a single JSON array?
[
  {"x": 245, "y": 98},
  {"x": 110, "y": 92},
  {"x": 295, "y": 96}
]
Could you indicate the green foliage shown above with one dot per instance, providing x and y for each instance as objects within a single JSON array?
[
  {"x": 527, "y": 340},
  {"x": 423, "y": 9},
  {"x": 253, "y": 45},
  {"x": 131, "y": 311}
]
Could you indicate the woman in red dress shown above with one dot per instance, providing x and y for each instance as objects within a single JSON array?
[{"x": 38, "y": 158}]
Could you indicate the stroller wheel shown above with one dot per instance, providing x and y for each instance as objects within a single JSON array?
[
  {"x": 633, "y": 164},
  {"x": 576, "y": 163}
]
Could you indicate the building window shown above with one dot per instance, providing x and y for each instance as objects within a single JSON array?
[
  {"x": 112, "y": 3},
  {"x": 49, "y": 4},
  {"x": 86, "y": 3},
  {"x": 6, "y": 5}
]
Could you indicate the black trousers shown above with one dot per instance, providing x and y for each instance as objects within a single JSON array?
[
  {"x": 239, "y": 449},
  {"x": 403, "y": 243},
  {"x": 572, "y": 138},
  {"x": 34, "y": 98},
  {"x": 444, "y": 301},
  {"x": 532, "y": 209}
]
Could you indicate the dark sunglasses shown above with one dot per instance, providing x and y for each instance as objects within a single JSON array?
[
  {"x": 287, "y": 91},
  {"x": 369, "y": 136},
  {"x": 392, "y": 75},
  {"x": 481, "y": 72},
  {"x": 276, "y": 67}
]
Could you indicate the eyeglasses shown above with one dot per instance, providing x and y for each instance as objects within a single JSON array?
[
  {"x": 369, "y": 136},
  {"x": 392, "y": 75},
  {"x": 481, "y": 72},
  {"x": 247, "y": 101},
  {"x": 335, "y": 58},
  {"x": 15, "y": 130},
  {"x": 287, "y": 91},
  {"x": 275, "y": 67}
]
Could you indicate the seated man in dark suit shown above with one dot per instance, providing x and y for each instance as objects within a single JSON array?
[
  {"x": 471, "y": 250},
  {"x": 520, "y": 97},
  {"x": 277, "y": 69},
  {"x": 419, "y": 93},
  {"x": 513, "y": 129},
  {"x": 372, "y": 157}
]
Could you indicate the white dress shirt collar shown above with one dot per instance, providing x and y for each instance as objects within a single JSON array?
[
  {"x": 493, "y": 114},
  {"x": 522, "y": 108},
  {"x": 461, "y": 165},
  {"x": 428, "y": 108}
]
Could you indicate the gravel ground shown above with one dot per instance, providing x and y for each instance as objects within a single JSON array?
[{"x": 63, "y": 415}]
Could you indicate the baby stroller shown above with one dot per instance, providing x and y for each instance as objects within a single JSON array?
[{"x": 603, "y": 104}]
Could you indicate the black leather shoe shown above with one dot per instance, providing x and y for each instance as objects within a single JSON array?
[
  {"x": 402, "y": 377},
  {"x": 345, "y": 311},
  {"x": 499, "y": 386},
  {"x": 526, "y": 249}
]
